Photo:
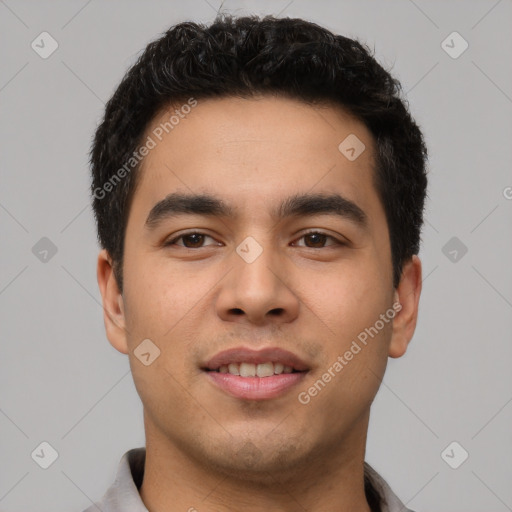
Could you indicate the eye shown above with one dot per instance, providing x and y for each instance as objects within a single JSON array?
[
  {"x": 196, "y": 240},
  {"x": 317, "y": 240},
  {"x": 192, "y": 240}
]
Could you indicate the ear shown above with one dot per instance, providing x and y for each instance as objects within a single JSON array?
[
  {"x": 407, "y": 294},
  {"x": 113, "y": 305}
]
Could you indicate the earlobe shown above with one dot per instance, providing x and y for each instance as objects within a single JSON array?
[
  {"x": 113, "y": 304},
  {"x": 407, "y": 294}
]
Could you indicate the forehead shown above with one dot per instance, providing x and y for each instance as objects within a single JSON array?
[{"x": 258, "y": 151}]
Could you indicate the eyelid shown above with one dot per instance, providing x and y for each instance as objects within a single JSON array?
[
  {"x": 172, "y": 241},
  {"x": 338, "y": 241},
  {"x": 174, "y": 238}
]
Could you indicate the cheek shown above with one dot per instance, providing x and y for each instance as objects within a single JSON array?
[
  {"x": 347, "y": 299},
  {"x": 160, "y": 389},
  {"x": 158, "y": 295},
  {"x": 349, "y": 305}
]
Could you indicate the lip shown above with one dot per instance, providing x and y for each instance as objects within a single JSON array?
[
  {"x": 245, "y": 355},
  {"x": 255, "y": 388}
]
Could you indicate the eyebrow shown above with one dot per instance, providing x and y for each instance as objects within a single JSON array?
[{"x": 304, "y": 205}]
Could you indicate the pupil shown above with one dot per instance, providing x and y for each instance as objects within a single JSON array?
[
  {"x": 320, "y": 239},
  {"x": 198, "y": 239}
]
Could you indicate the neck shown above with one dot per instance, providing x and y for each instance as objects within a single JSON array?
[{"x": 330, "y": 480}]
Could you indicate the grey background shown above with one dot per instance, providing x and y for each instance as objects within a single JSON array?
[{"x": 61, "y": 381}]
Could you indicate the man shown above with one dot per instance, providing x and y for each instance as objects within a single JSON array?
[{"x": 258, "y": 188}]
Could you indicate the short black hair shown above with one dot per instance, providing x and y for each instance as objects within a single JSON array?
[{"x": 247, "y": 57}]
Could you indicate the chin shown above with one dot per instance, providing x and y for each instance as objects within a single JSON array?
[{"x": 251, "y": 460}]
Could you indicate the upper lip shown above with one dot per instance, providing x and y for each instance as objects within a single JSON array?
[{"x": 246, "y": 355}]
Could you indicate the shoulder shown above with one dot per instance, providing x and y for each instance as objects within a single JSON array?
[
  {"x": 123, "y": 494},
  {"x": 380, "y": 493}
]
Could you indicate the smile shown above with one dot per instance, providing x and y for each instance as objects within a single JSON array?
[{"x": 255, "y": 370}]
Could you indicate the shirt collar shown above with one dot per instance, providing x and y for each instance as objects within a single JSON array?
[
  {"x": 389, "y": 500},
  {"x": 123, "y": 495}
]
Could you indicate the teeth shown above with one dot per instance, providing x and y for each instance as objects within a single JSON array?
[
  {"x": 265, "y": 370},
  {"x": 247, "y": 370},
  {"x": 253, "y": 370},
  {"x": 233, "y": 369}
]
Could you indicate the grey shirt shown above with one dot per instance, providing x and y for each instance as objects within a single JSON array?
[{"x": 123, "y": 494}]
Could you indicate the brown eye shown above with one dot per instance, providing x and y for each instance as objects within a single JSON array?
[
  {"x": 317, "y": 240},
  {"x": 193, "y": 241},
  {"x": 189, "y": 240}
]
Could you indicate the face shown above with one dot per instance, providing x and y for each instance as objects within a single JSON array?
[{"x": 283, "y": 259}]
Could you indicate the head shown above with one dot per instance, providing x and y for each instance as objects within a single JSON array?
[{"x": 221, "y": 149}]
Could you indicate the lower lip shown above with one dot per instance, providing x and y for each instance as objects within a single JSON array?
[{"x": 256, "y": 388}]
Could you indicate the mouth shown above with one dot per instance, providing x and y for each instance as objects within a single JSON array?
[
  {"x": 262, "y": 370},
  {"x": 255, "y": 375}
]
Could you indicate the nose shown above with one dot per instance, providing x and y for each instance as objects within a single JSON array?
[{"x": 259, "y": 292}]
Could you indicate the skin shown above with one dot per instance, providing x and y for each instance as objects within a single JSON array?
[{"x": 209, "y": 450}]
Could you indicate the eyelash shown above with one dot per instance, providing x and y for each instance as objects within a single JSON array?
[{"x": 312, "y": 232}]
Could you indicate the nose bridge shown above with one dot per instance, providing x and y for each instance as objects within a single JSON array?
[
  {"x": 254, "y": 288},
  {"x": 254, "y": 268},
  {"x": 254, "y": 262}
]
